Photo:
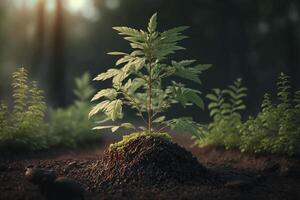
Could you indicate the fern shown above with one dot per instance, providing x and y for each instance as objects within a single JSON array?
[
  {"x": 267, "y": 102},
  {"x": 25, "y": 127},
  {"x": 36, "y": 104},
  {"x": 224, "y": 107},
  {"x": 276, "y": 128},
  {"x": 70, "y": 126},
  {"x": 283, "y": 86},
  {"x": 20, "y": 94},
  {"x": 83, "y": 90},
  {"x": 138, "y": 76},
  {"x": 296, "y": 100},
  {"x": 236, "y": 92},
  {"x": 3, "y": 117}
]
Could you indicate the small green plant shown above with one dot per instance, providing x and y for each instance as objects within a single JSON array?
[
  {"x": 25, "y": 127},
  {"x": 225, "y": 107},
  {"x": 70, "y": 126},
  {"x": 141, "y": 81},
  {"x": 276, "y": 128}
]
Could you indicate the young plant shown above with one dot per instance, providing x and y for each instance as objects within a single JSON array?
[
  {"x": 225, "y": 107},
  {"x": 276, "y": 128},
  {"x": 140, "y": 80},
  {"x": 25, "y": 127},
  {"x": 70, "y": 126}
]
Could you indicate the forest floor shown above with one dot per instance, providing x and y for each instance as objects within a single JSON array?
[{"x": 247, "y": 176}]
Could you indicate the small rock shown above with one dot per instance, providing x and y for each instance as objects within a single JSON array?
[
  {"x": 239, "y": 184},
  {"x": 65, "y": 188},
  {"x": 53, "y": 187},
  {"x": 38, "y": 176}
]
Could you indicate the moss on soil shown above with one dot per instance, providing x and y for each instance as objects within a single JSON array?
[{"x": 129, "y": 138}]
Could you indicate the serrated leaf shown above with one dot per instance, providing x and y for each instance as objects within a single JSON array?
[
  {"x": 108, "y": 74},
  {"x": 114, "y": 109},
  {"x": 152, "y": 23},
  {"x": 123, "y": 30},
  {"x": 109, "y": 93},
  {"x": 100, "y": 106}
]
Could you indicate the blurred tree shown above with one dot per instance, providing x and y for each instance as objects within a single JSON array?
[
  {"x": 40, "y": 38},
  {"x": 1, "y": 42},
  {"x": 57, "y": 66}
]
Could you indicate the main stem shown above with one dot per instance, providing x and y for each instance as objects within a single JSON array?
[{"x": 150, "y": 97}]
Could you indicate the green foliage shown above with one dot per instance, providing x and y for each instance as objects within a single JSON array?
[
  {"x": 138, "y": 80},
  {"x": 70, "y": 126},
  {"x": 276, "y": 128},
  {"x": 225, "y": 107},
  {"x": 3, "y": 118},
  {"x": 133, "y": 136},
  {"x": 25, "y": 127}
]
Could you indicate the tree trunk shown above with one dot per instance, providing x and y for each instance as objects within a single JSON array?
[{"x": 57, "y": 88}]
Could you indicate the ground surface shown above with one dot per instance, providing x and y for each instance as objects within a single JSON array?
[{"x": 243, "y": 176}]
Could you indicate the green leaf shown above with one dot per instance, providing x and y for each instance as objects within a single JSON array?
[
  {"x": 152, "y": 23},
  {"x": 123, "y": 30},
  {"x": 100, "y": 106},
  {"x": 114, "y": 129},
  {"x": 136, "y": 84},
  {"x": 159, "y": 119},
  {"x": 212, "y": 97},
  {"x": 185, "y": 125},
  {"x": 109, "y": 93},
  {"x": 108, "y": 74},
  {"x": 116, "y": 53},
  {"x": 114, "y": 109},
  {"x": 102, "y": 127},
  {"x": 127, "y": 126},
  {"x": 193, "y": 97},
  {"x": 124, "y": 59}
]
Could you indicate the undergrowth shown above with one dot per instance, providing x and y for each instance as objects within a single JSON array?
[
  {"x": 274, "y": 130},
  {"x": 225, "y": 107},
  {"x": 70, "y": 126},
  {"x": 24, "y": 127}
]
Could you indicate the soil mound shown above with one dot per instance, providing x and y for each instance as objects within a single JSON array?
[{"x": 149, "y": 163}]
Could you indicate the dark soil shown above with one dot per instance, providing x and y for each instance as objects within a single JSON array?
[
  {"x": 157, "y": 173},
  {"x": 149, "y": 163}
]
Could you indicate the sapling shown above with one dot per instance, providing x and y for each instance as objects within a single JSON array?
[{"x": 142, "y": 80}]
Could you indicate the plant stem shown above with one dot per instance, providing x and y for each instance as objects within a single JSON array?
[{"x": 150, "y": 97}]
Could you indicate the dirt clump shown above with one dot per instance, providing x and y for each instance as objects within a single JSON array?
[{"x": 149, "y": 163}]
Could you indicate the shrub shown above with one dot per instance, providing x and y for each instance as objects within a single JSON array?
[
  {"x": 276, "y": 128},
  {"x": 70, "y": 126},
  {"x": 25, "y": 127},
  {"x": 225, "y": 107},
  {"x": 141, "y": 81}
]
